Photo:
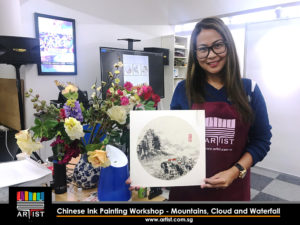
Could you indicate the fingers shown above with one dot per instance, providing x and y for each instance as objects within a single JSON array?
[
  {"x": 128, "y": 181},
  {"x": 136, "y": 188},
  {"x": 214, "y": 182},
  {"x": 131, "y": 188}
]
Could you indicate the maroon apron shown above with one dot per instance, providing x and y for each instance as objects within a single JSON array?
[{"x": 226, "y": 139}]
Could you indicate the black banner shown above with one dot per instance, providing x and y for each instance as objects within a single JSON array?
[{"x": 34, "y": 206}]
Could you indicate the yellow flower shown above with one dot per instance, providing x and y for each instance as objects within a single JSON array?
[
  {"x": 73, "y": 128},
  {"x": 71, "y": 103},
  {"x": 137, "y": 98},
  {"x": 111, "y": 90},
  {"x": 120, "y": 64},
  {"x": 98, "y": 158},
  {"x": 99, "y": 88},
  {"x": 117, "y": 71},
  {"x": 117, "y": 80},
  {"x": 117, "y": 113},
  {"x": 93, "y": 86},
  {"x": 69, "y": 88},
  {"x": 26, "y": 142}
]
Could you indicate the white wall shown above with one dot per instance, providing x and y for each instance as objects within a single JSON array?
[
  {"x": 92, "y": 33},
  {"x": 272, "y": 60}
]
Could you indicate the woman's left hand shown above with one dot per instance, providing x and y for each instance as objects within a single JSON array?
[{"x": 222, "y": 179}]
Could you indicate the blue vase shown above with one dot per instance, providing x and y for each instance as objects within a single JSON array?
[
  {"x": 112, "y": 186},
  {"x": 84, "y": 174}
]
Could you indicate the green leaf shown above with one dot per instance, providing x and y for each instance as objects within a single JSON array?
[
  {"x": 105, "y": 141},
  {"x": 71, "y": 95},
  {"x": 92, "y": 147},
  {"x": 50, "y": 123},
  {"x": 149, "y": 105},
  {"x": 37, "y": 122},
  {"x": 37, "y": 130}
]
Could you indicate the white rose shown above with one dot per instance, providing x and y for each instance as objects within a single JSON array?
[
  {"x": 73, "y": 128},
  {"x": 117, "y": 113},
  {"x": 26, "y": 142}
]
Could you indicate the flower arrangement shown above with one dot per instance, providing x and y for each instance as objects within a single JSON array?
[
  {"x": 106, "y": 120},
  {"x": 109, "y": 117},
  {"x": 63, "y": 125}
]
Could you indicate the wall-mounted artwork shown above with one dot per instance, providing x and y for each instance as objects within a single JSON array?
[{"x": 57, "y": 39}]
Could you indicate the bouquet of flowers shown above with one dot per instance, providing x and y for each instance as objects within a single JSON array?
[
  {"x": 61, "y": 124},
  {"x": 108, "y": 117},
  {"x": 106, "y": 120}
]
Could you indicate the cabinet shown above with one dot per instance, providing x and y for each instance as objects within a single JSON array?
[{"x": 179, "y": 51}]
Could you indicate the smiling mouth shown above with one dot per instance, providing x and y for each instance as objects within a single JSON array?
[{"x": 213, "y": 64}]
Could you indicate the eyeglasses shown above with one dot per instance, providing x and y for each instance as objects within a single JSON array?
[{"x": 217, "y": 48}]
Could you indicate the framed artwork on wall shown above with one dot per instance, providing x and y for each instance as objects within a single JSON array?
[{"x": 57, "y": 40}]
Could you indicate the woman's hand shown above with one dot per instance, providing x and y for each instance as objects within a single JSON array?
[
  {"x": 131, "y": 188},
  {"x": 222, "y": 179}
]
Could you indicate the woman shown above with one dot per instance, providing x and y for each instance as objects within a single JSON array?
[{"x": 237, "y": 125}]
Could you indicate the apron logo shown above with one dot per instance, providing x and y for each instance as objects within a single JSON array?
[{"x": 219, "y": 131}]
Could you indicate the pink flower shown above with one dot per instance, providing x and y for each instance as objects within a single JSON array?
[
  {"x": 124, "y": 100},
  {"x": 120, "y": 92},
  {"x": 147, "y": 90},
  {"x": 62, "y": 113},
  {"x": 139, "y": 91},
  {"x": 156, "y": 99},
  {"x": 128, "y": 86}
]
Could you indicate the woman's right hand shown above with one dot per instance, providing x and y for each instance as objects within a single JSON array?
[{"x": 131, "y": 188}]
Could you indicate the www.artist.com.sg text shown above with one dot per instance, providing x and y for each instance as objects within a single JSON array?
[{"x": 170, "y": 219}]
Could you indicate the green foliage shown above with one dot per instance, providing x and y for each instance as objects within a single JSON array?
[
  {"x": 71, "y": 95},
  {"x": 149, "y": 105}
]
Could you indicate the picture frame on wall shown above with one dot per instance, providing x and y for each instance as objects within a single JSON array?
[{"x": 57, "y": 40}]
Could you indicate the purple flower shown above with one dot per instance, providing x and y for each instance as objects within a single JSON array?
[{"x": 74, "y": 112}]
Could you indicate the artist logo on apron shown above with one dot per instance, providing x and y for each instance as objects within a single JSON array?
[{"x": 220, "y": 134}]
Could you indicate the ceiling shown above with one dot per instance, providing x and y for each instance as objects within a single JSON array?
[{"x": 162, "y": 12}]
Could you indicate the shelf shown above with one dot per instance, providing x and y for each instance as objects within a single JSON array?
[
  {"x": 180, "y": 47},
  {"x": 180, "y": 66},
  {"x": 180, "y": 57}
]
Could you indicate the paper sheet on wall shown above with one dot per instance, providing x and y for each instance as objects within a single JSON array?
[
  {"x": 16, "y": 172},
  {"x": 167, "y": 148}
]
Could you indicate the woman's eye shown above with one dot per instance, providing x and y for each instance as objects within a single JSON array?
[
  {"x": 219, "y": 45},
  {"x": 202, "y": 49}
]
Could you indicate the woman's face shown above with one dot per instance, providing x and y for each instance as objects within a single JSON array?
[{"x": 213, "y": 63}]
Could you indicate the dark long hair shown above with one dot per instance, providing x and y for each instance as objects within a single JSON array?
[{"x": 196, "y": 76}]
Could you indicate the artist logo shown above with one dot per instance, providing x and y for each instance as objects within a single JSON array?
[
  {"x": 220, "y": 132},
  {"x": 30, "y": 204}
]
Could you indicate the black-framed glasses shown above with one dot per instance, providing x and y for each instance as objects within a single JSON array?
[{"x": 218, "y": 48}]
